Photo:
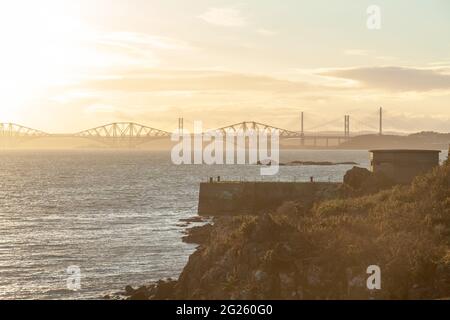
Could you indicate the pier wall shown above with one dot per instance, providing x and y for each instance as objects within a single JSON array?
[{"x": 239, "y": 198}]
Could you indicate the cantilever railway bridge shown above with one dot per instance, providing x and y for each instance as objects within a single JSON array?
[{"x": 131, "y": 135}]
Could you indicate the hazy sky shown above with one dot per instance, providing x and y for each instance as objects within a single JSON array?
[{"x": 67, "y": 65}]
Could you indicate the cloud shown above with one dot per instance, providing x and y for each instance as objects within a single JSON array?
[
  {"x": 266, "y": 32},
  {"x": 141, "y": 40},
  {"x": 226, "y": 17},
  {"x": 194, "y": 81},
  {"x": 100, "y": 108},
  {"x": 368, "y": 54},
  {"x": 96, "y": 52},
  {"x": 394, "y": 78},
  {"x": 444, "y": 63},
  {"x": 356, "y": 52},
  {"x": 128, "y": 49}
]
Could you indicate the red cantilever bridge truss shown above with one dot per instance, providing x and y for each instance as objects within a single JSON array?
[{"x": 131, "y": 135}]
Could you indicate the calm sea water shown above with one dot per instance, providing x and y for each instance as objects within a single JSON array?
[{"x": 115, "y": 214}]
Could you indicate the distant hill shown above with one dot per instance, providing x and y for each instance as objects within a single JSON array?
[{"x": 421, "y": 140}]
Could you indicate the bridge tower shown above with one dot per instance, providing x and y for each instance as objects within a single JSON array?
[
  {"x": 302, "y": 132},
  {"x": 347, "y": 126},
  {"x": 381, "y": 121},
  {"x": 180, "y": 126}
]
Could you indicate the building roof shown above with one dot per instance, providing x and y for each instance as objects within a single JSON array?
[{"x": 404, "y": 151}]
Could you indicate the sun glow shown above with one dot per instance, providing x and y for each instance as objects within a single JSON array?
[{"x": 40, "y": 47}]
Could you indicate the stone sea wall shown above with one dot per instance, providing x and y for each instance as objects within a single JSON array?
[{"x": 242, "y": 198}]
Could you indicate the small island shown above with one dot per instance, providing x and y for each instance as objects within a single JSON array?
[{"x": 305, "y": 163}]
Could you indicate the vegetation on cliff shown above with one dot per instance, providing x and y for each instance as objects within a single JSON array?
[{"x": 323, "y": 252}]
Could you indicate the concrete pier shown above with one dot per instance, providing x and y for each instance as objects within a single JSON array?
[{"x": 240, "y": 198}]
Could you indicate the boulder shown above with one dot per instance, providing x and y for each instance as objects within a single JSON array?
[
  {"x": 362, "y": 181},
  {"x": 356, "y": 177},
  {"x": 164, "y": 289},
  {"x": 198, "y": 234},
  {"x": 129, "y": 290}
]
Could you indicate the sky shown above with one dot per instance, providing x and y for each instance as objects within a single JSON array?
[{"x": 66, "y": 66}]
